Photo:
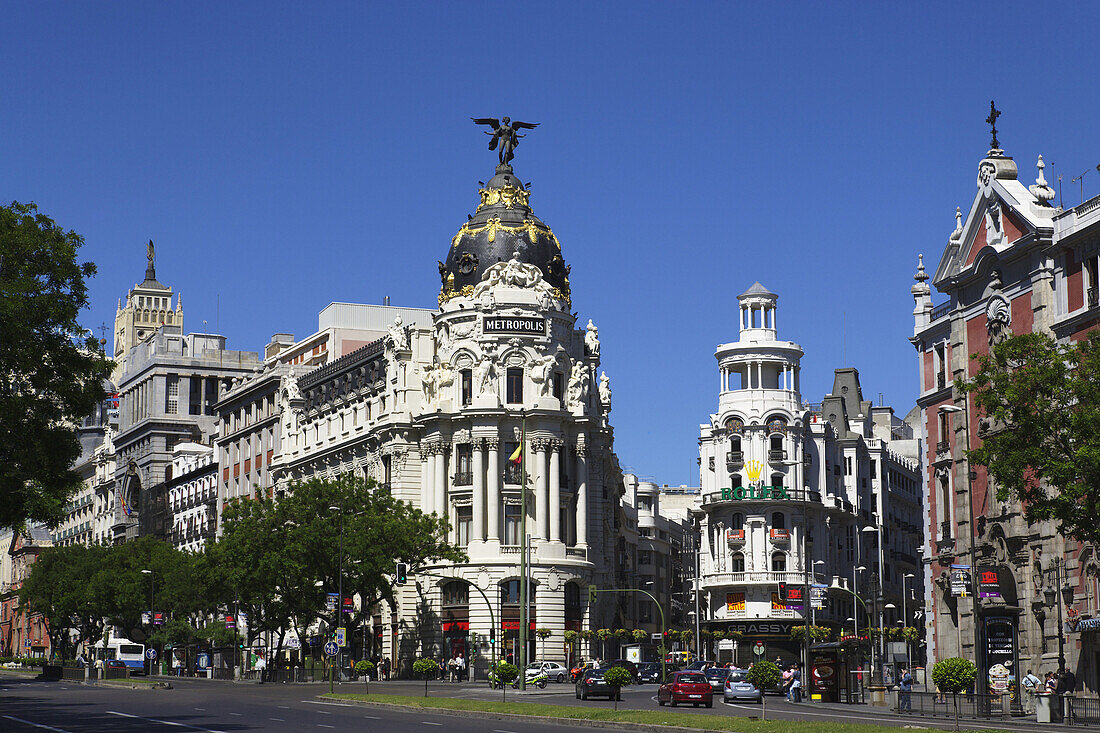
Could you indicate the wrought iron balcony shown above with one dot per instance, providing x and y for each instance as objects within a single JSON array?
[
  {"x": 464, "y": 478},
  {"x": 775, "y": 456},
  {"x": 735, "y": 459}
]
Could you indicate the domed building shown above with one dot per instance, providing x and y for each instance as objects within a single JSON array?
[{"x": 434, "y": 410}]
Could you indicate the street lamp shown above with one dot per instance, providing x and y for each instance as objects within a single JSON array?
[
  {"x": 340, "y": 591},
  {"x": 152, "y": 580},
  {"x": 855, "y": 620},
  {"x": 813, "y": 609},
  {"x": 876, "y": 600},
  {"x": 979, "y": 656},
  {"x": 664, "y": 628},
  {"x": 1056, "y": 586},
  {"x": 905, "y": 619}
]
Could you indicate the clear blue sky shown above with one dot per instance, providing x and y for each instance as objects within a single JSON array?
[{"x": 286, "y": 155}]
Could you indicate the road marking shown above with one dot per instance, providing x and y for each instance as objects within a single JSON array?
[
  {"x": 202, "y": 709},
  {"x": 372, "y": 717},
  {"x": 504, "y": 731},
  {"x": 278, "y": 719},
  {"x": 36, "y": 725},
  {"x": 163, "y": 722},
  {"x": 428, "y": 722},
  {"x": 235, "y": 714},
  {"x": 281, "y": 707},
  {"x": 322, "y": 725},
  {"x": 333, "y": 704}
]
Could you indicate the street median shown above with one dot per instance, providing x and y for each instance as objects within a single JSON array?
[{"x": 654, "y": 720}]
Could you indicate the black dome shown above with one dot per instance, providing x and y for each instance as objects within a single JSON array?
[{"x": 502, "y": 226}]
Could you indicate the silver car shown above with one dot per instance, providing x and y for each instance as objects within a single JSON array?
[{"x": 737, "y": 688}]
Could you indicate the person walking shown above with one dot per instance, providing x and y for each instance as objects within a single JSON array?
[
  {"x": 905, "y": 692},
  {"x": 1032, "y": 685},
  {"x": 796, "y": 684}
]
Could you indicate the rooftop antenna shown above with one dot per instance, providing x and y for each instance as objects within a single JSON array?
[
  {"x": 1081, "y": 180},
  {"x": 1061, "y": 203}
]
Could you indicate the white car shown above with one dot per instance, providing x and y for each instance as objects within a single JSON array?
[{"x": 554, "y": 671}]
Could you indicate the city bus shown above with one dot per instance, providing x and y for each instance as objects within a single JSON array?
[{"x": 128, "y": 652}]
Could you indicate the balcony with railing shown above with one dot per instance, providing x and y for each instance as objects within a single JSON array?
[
  {"x": 777, "y": 456},
  {"x": 464, "y": 478},
  {"x": 752, "y": 577},
  {"x": 941, "y": 311},
  {"x": 512, "y": 474},
  {"x": 735, "y": 459}
]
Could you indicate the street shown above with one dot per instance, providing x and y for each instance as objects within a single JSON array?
[{"x": 200, "y": 705}]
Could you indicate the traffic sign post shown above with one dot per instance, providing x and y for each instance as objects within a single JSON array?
[
  {"x": 341, "y": 636},
  {"x": 151, "y": 654},
  {"x": 332, "y": 648}
]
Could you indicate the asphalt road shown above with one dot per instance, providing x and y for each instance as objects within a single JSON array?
[{"x": 66, "y": 707}]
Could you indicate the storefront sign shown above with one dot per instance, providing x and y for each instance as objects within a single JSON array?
[
  {"x": 989, "y": 585},
  {"x": 763, "y": 628},
  {"x": 818, "y": 596},
  {"x": 754, "y": 493},
  {"x": 528, "y": 326}
]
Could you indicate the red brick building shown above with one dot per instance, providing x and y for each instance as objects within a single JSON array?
[
  {"x": 22, "y": 634},
  {"x": 1016, "y": 263}
]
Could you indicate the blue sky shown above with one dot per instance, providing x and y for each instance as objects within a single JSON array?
[{"x": 287, "y": 155}]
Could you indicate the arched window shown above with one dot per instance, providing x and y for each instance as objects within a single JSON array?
[
  {"x": 737, "y": 521},
  {"x": 509, "y": 592},
  {"x": 737, "y": 563},
  {"x": 735, "y": 444},
  {"x": 779, "y": 562},
  {"x": 572, "y": 595},
  {"x": 779, "y": 521},
  {"x": 776, "y": 442},
  {"x": 456, "y": 593}
]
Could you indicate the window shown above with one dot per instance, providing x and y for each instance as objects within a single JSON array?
[
  {"x": 511, "y": 470},
  {"x": 737, "y": 521},
  {"x": 737, "y": 562},
  {"x": 464, "y": 475},
  {"x": 514, "y": 386},
  {"x": 645, "y": 557},
  {"x": 779, "y": 521},
  {"x": 171, "y": 394},
  {"x": 776, "y": 442},
  {"x": 645, "y": 503},
  {"x": 735, "y": 444},
  {"x": 736, "y": 481},
  {"x": 558, "y": 385},
  {"x": 777, "y": 479},
  {"x": 509, "y": 592},
  {"x": 572, "y": 596},
  {"x": 939, "y": 357},
  {"x": 511, "y": 524},
  {"x": 847, "y": 466},
  {"x": 194, "y": 398},
  {"x": 464, "y": 517},
  {"x": 779, "y": 562},
  {"x": 467, "y": 381}
]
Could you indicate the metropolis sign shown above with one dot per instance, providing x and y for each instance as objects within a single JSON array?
[{"x": 515, "y": 324}]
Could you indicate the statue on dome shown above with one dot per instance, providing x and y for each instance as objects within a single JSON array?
[{"x": 505, "y": 133}]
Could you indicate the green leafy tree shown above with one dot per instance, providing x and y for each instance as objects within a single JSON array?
[
  {"x": 1040, "y": 407},
  {"x": 505, "y": 673},
  {"x": 618, "y": 678},
  {"x": 363, "y": 668},
  {"x": 53, "y": 368},
  {"x": 764, "y": 675},
  {"x": 954, "y": 675},
  {"x": 425, "y": 668}
]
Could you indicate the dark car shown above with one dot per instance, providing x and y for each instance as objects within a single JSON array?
[
  {"x": 651, "y": 672},
  {"x": 698, "y": 665},
  {"x": 628, "y": 666},
  {"x": 686, "y": 687},
  {"x": 114, "y": 664},
  {"x": 717, "y": 677},
  {"x": 591, "y": 683}
]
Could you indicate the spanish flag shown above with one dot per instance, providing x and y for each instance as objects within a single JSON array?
[{"x": 517, "y": 455}]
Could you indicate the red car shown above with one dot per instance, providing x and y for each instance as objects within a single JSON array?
[{"x": 686, "y": 687}]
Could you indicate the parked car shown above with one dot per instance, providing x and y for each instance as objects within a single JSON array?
[
  {"x": 114, "y": 664},
  {"x": 591, "y": 683},
  {"x": 717, "y": 677},
  {"x": 686, "y": 687},
  {"x": 552, "y": 670},
  {"x": 738, "y": 688},
  {"x": 628, "y": 666}
]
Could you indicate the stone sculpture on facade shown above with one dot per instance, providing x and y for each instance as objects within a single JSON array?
[
  {"x": 591, "y": 339},
  {"x": 998, "y": 312},
  {"x": 605, "y": 391},
  {"x": 579, "y": 383},
  {"x": 399, "y": 334},
  {"x": 541, "y": 370},
  {"x": 512, "y": 273},
  {"x": 485, "y": 375}
]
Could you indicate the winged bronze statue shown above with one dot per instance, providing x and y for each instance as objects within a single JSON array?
[{"x": 504, "y": 132}]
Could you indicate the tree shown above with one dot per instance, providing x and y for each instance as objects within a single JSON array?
[
  {"x": 363, "y": 668},
  {"x": 505, "y": 673},
  {"x": 617, "y": 677},
  {"x": 764, "y": 675},
  {"x": 543, "y": 634},
  {"x": 1039, "y": 437},
  {"x": 425, "y": 668},
  {"x": 53, "y": 369},
  {"x": 954, "y": 675}
]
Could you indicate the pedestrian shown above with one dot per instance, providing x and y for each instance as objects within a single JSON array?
[
  {"x": 1067, "y": 683},
  {"x": 905, "y": 692},
  {"x": 460, "y": 662},
  {"x": 1051, "y": 683},
  {"x": 787, "y": 683},
  {"x": 1031, "y": 684},
  {"x": 796, "y": 684}
]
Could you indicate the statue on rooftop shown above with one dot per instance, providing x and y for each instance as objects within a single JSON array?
[{"x": 504, "y": 132}]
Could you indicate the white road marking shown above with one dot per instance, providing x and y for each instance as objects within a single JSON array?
[
  {"x": 504, "y": 731},
  {"x": 164, "y": 722},
  {"x": 372, "y": 717},
  {"x": 333, "y": 704},
  {"x": 281, "y": 707},
  {"x": 322, "y": 725},
  {"x": 281, "y": 720},
  {"x": 201, "y": 709},
  {"x": 428, "y": 722},
  {"x": 237, "y": 714},
  {"x": 36, "y": 725}
]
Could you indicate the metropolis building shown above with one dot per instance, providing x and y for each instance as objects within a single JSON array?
[{"x": 434, "y": 409}]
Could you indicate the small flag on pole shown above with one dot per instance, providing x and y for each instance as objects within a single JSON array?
[{"x": 517, "y": 455}]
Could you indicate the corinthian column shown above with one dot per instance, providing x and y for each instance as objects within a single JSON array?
[
  {"x": 542, "y": 523},
  {"x": 478, "y": 524},
  {"x": 582, "y": 494},
  {"x": 427, "y": 479},
  {"x": 440, "y": 502},
  {"x": 493, "y": 490},
  {"x": 555, "y": 490}
]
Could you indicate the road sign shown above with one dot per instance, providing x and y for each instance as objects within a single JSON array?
[
  {"x": 341, "y": 636},
  {"x": 145, "y": 618},
  {"x": 230, "y": 623},
  {"x": 331, "y": 600},
  {"x": 150, "y": 653},
  {"x": 331, "y": 649},
  {"x": 655, "y": 636}
]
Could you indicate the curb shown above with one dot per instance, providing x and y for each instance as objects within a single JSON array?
[{"x": 573, "y": 722}]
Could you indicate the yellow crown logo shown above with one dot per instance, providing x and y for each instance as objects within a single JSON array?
[{"x": 753, "y": 469}]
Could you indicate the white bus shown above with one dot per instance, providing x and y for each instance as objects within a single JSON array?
[{"x": 130, "y": 653}]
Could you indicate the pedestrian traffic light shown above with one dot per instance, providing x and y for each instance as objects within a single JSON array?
[
  {"x": 591, "y": 594},
  {"x": 402, "y": 573}
]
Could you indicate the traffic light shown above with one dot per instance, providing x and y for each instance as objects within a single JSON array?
[
  {"x": 591, "y": 594},
  {"x": 782, "y": 591},
  {"x": 402, "y": 573},
  {"x": 493, "y": 637}
]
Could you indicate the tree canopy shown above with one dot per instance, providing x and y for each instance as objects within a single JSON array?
[
  {"x": 52, "y": 368},
  {"x": 1040, "y": 442}
]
